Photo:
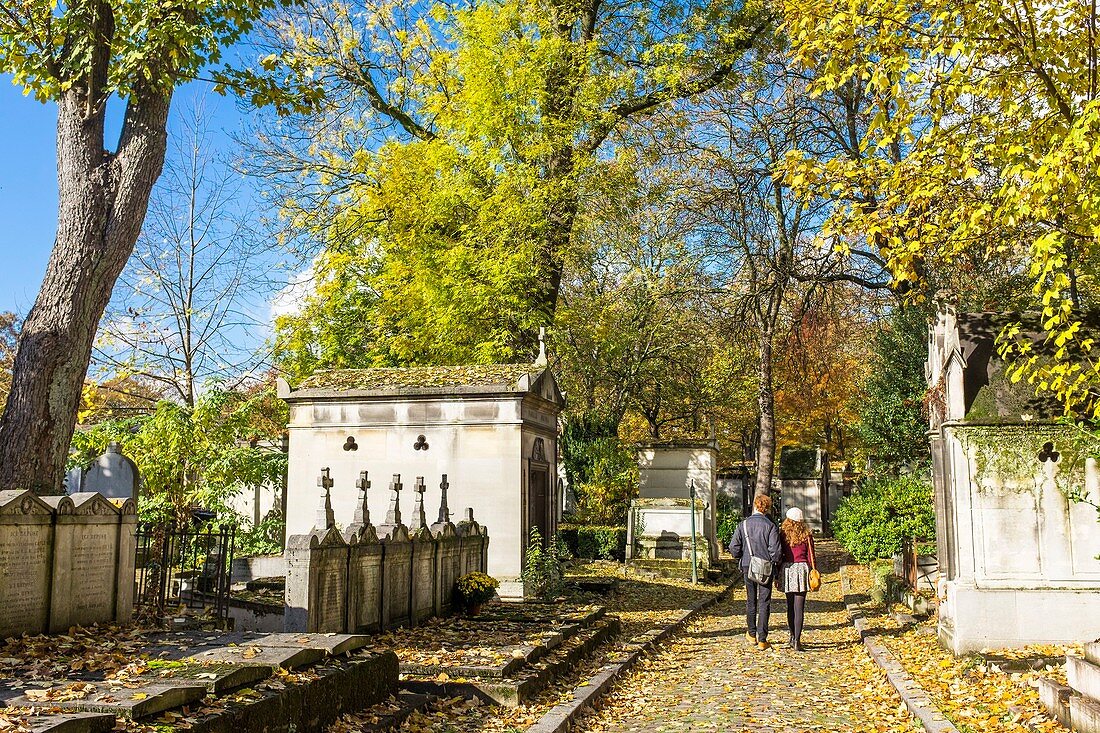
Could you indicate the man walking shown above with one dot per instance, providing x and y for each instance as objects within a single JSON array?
[{"x": 757, "y": 536}]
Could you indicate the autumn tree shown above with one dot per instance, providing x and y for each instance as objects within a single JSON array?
[
  {"x": 759, "y": 233},
  {"x": 487, "y": 121},
  {"x": 79, "y": 55},
  {"x": 979, "y": 144}
]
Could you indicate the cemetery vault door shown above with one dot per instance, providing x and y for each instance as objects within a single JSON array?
[{"x": 538, "y": 493}]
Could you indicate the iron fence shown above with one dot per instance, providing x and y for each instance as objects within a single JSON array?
[{"x": 184, "y": 568}]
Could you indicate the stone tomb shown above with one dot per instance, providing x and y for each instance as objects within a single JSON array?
[
  {"x": 368, "y": 579},
  {"x": 659, "y": 523},
  {"x": 492, "y": 428},
  {"x": 1017, "y": 554},
  {"x": 65, "y": 561}
]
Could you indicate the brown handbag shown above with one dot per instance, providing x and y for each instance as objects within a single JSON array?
[{"x": 815, "y": 576}]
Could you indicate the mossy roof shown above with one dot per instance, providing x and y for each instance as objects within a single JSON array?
[{"x": 485, "y": 376}]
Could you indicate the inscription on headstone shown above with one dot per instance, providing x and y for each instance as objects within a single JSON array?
[{"x": 26, "y": 538}]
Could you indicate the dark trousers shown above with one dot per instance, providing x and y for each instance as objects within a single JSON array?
[
  {"x": 796, "y": 610},
  {"x": 758, "y": 608}
]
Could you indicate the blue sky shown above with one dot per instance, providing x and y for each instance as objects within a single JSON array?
[{"x": 28, "y": 183}]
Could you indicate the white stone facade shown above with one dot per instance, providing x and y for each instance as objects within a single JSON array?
[
  {"x": 492, "y": 430},
  {"x": 666, "y": 471},
  {"x": 1018, "y": 557}
]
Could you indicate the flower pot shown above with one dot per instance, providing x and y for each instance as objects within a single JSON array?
[{"x": 473, "y": 609}]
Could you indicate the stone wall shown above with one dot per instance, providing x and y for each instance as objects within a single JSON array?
[
  {"x": 65, "y": 561},
  {"x": 370, "y": 579}
]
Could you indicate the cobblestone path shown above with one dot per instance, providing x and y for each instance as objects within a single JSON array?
[{"x": 710, "y": 678}]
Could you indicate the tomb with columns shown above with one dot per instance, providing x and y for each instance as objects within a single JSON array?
[{"x": 491, "y": 428}]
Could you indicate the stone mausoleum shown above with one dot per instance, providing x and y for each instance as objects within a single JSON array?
[
  {"x": 1017, "y": 552},
  {"x": 491, "y": 428}
]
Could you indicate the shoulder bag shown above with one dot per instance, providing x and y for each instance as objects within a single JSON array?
[
  {"x": 815, "y": 577},
  {"x": 760, "y": 570}
]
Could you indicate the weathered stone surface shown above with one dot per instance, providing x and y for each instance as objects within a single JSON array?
[
  {"x": 71, "y": 723},
  {"x": 330, "y": 644},
  {"x": 256, "y": 654},
  {"x": 365, "y": 582},
  {"x": 423, "y": 590},
  {"x": 1055, "y": 698},
  {"x": 316, "y": 582},
  {"x": 397, "y": 576},
  {"x": 85, "y": 565},
  {"x": 1092, "y": 652},
  {"x": 1084, "y": 715},
  {"x": 343, "y": 685},
  {"x": 1084, "y": 677},
  {"x": 219, "y": 678},
  {"x": 26, "y": 538},
  {"x": 125, "y": 702}
]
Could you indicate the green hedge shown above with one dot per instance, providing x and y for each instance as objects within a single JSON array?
[
  {"x": 592, "y": 542},
  {"x": 882, "y": 514}
]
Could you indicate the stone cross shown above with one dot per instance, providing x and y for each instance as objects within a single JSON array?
[
  {"x": 469, "y": 514},
  {"x": 393, "y": 514},
  {"x": 325, "y": 517},
  {"x": 444, "y": 510},
  {"x": 542, "y": 359},
  {"x": 362, "y": 513},
  {"x": 419, "y": 521}
]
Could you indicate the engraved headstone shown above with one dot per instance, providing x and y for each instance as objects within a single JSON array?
[
  {"x": 317, "y": 573},
  {"x": 361, "y": 519},
  {"x": 85, "y": 563},
  {"x": 26, "y": 542},
  {"x": 396, "y": 577}
]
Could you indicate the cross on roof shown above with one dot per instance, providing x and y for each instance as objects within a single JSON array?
[
  {"x": 363, "y": 483},
  {"x": 325, "y": 480}
]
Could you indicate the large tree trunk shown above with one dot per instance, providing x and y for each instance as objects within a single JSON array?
[
  {"x": 102, "y": 199},
  {"x": 765, "y": 397}
]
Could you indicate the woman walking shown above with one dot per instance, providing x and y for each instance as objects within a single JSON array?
[{"x": 794, "y": 575}]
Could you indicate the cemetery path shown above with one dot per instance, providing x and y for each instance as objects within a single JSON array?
[{"x": 709, "y": 677}]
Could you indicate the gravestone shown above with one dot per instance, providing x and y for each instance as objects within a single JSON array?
[
  {"x": 317, "y": 573},
  {"x": 423, "y": 567},
  {"x": 448, "y": 564},
  {"x": 396, "y": 577},
  {"x": 364, "y": 567},
  {"x": 85, "y": 566},
  {"x": 26, "y": 542},
  {"x": 472, "y": 541},
  {"x": 112, "y": 474}
]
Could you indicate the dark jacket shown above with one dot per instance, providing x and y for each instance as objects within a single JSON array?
[{"x": 763, "y": 536}]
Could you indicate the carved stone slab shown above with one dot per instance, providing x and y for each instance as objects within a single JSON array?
[
  {"x": 125, "y": 702},
  {"x": 269, "y": 656},
  {"x": 330, "y": 644}
]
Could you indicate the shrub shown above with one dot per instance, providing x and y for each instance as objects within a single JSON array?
[
  {"x": 728, "y": 516},
  {"x": 476, "y": 588},
  {"x": 542, "y": 573},
  {"x": 877, "y": 520},
  {"x": 593, "y": 542}
]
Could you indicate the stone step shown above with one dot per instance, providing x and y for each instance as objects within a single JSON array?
[
  {"x": 124, "y": 702},
  {"x": 1084, "y": 714},
  {"x": 330, "y": 644},
  {"x": 221, "y": 678},
  {"x": 1084, "y": 677},
  {"x": 69, "y": 723},
  {"x": 529, "y": 680},
  {"x": 1092, "y": 652},
  {"x": 255, "y": 654},
  {"x": 1055, "y": 698}
]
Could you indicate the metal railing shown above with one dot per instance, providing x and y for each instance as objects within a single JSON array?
[{"x": 184, "y": 568}]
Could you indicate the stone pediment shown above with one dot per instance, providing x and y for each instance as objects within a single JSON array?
[
  {"x": 22, "y": 504},
  {"x": 60, "y": 504},
  {"x": 91, "y": 503},
  {"x": 318, "y": 538}
]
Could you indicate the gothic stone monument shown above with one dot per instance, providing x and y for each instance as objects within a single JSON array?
[
  {"x": 491, "y": 428},
  {"x": 1018, "y": 555}
]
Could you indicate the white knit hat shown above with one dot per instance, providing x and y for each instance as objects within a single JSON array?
[{"x": 794, "y": 514}]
